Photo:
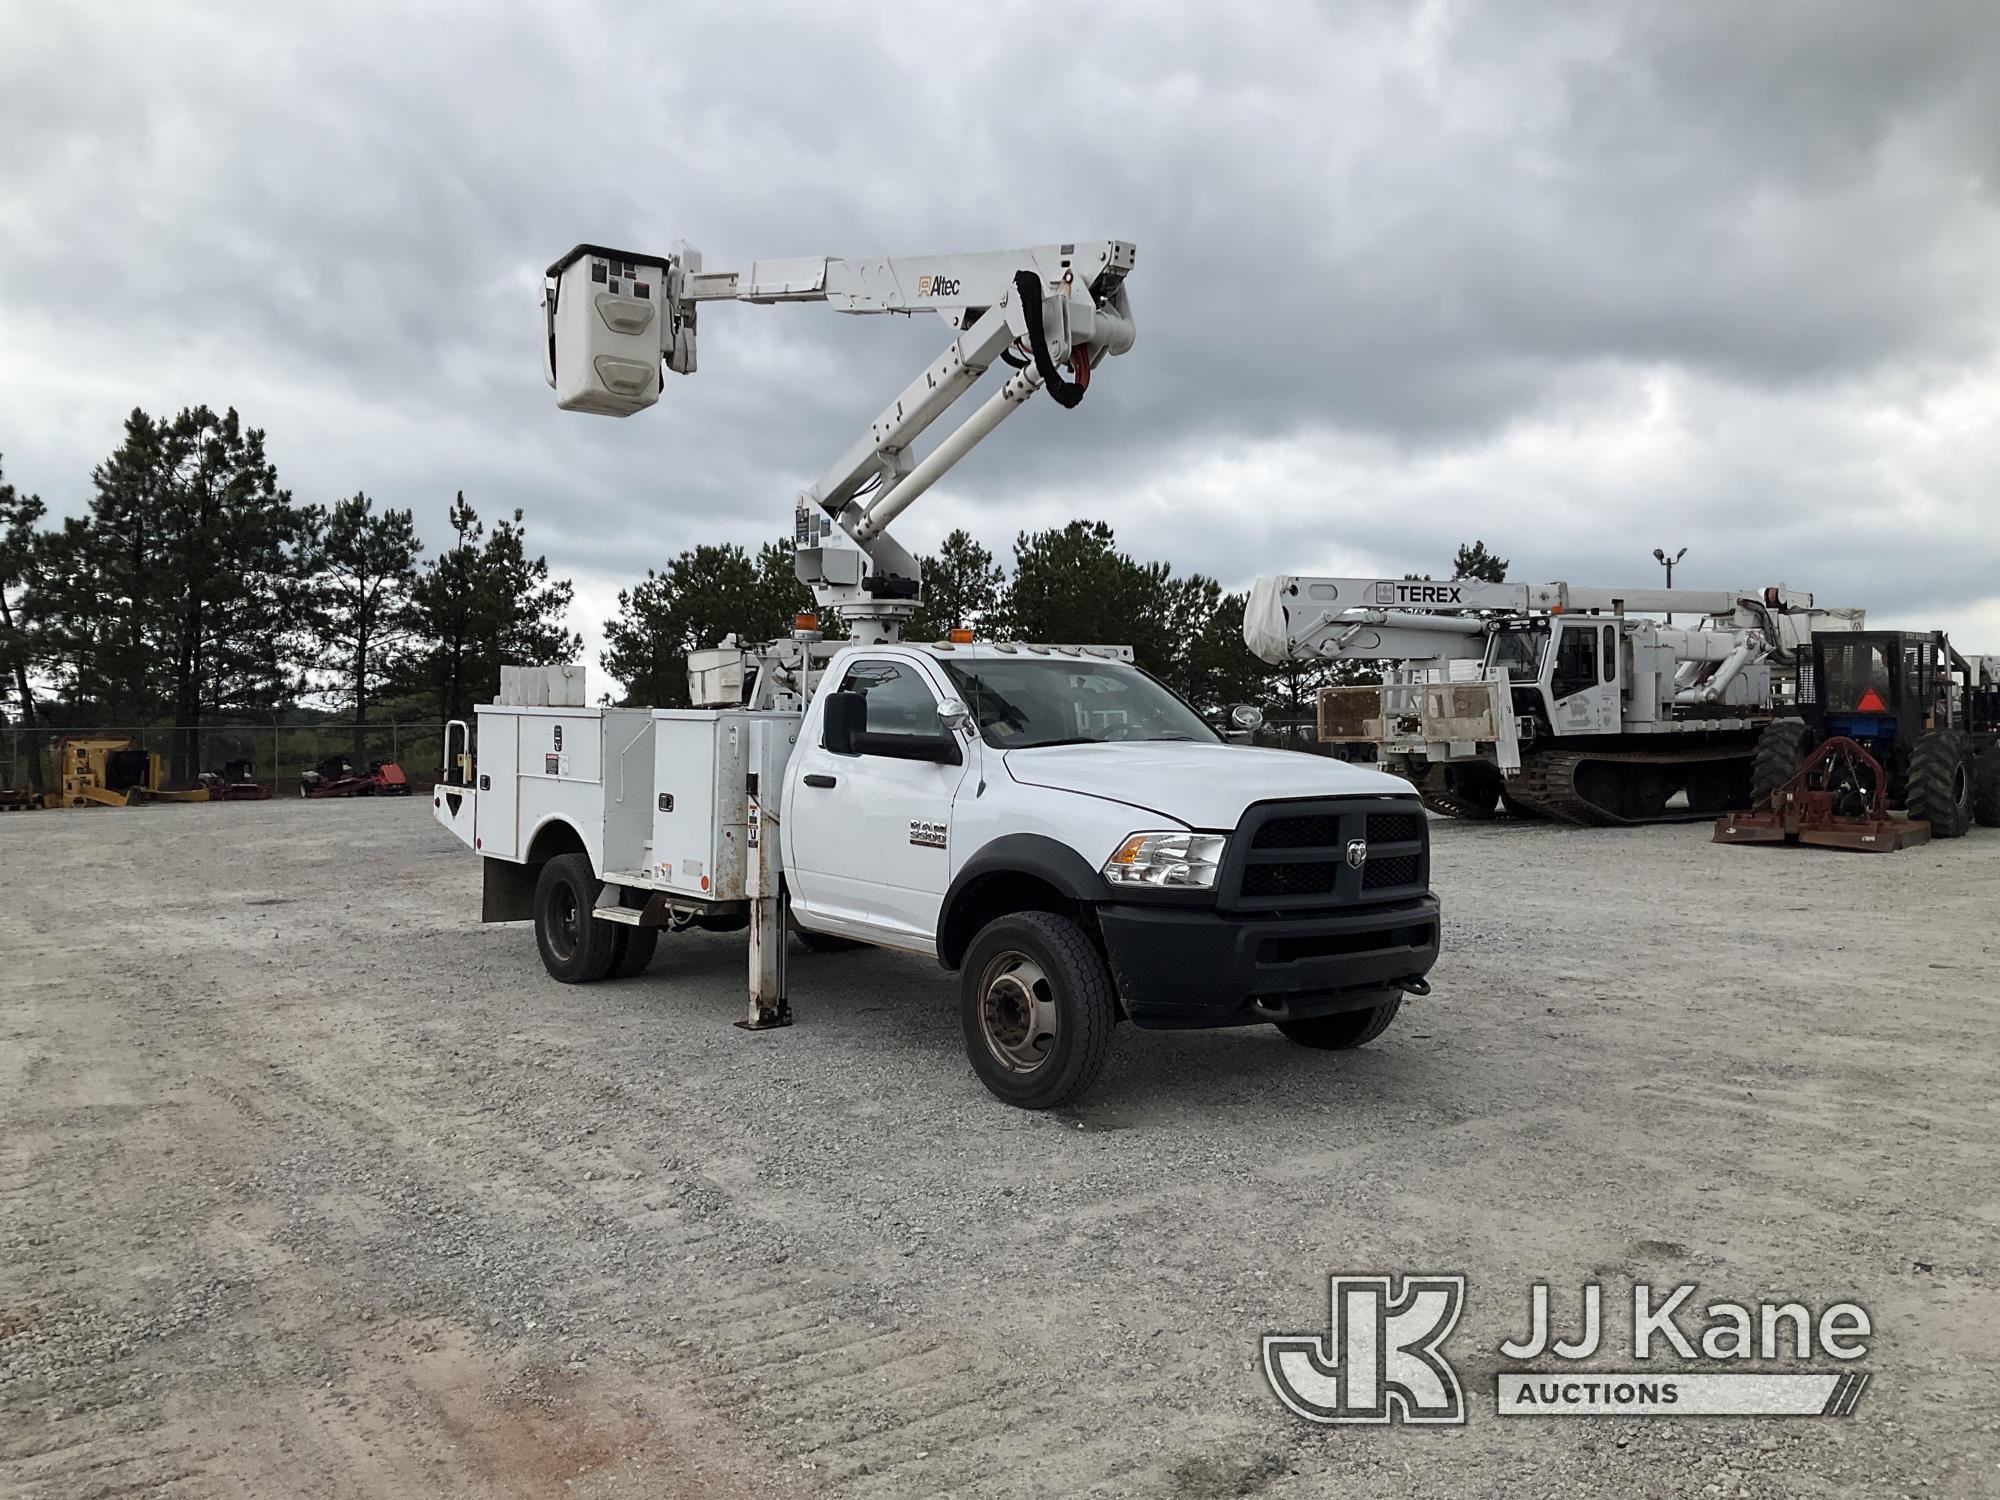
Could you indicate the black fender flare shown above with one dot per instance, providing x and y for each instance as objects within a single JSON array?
[{"x": 1034, "y": 855}]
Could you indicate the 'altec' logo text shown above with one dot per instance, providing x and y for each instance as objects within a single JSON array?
[
  {"x": 1384, "y": 1360},
  {"x": 938, "y": 286}
]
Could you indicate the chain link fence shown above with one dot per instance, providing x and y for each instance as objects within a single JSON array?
[
  {"x": 277, "y": 751},
  {"x": 1301, "y": 732}
]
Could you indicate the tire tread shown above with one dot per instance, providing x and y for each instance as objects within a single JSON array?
[
  {"x": 1089, "y": 1019},
  {"x": 1780, "y": 750},
  {"x": 1322, "y": 1032},
  {"x": 1934, "y": 764}
]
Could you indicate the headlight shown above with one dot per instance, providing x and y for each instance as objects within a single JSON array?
[{"x": 1179, "y": 861}]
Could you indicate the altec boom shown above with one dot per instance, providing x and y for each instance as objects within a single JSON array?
[{"x": 1044, "y": 819}]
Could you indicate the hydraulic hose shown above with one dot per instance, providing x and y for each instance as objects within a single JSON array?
[{"x": 1067, "y": 393}]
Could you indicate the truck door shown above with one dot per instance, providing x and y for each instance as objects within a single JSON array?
[
  {"x": 866, "y": 836},
  {"x": 1583, "y": 679}
]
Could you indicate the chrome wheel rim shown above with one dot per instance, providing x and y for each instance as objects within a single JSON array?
[{"x": 1017, "y": 1013}]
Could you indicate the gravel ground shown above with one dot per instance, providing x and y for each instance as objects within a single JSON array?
[{"x": 311, "y": 1185}]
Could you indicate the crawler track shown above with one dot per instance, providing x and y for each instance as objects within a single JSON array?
[
  {"x": 1439, "y": 798},
  {"x": 1548, "y": 783}
]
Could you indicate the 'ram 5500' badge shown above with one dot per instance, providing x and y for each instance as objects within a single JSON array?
[{"x": 927, "y": 835}]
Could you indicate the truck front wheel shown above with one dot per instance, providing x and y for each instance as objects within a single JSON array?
[
  {"x": 576, "y": 947},
  {"x": 1037, "y": 1005},
  {"x": 1344, "y": 1028}
]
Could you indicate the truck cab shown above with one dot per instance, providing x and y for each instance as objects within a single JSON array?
[{"x": 1051, "y": 823}]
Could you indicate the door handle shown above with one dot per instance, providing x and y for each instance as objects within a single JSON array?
[{"x": 818, "y": 780}]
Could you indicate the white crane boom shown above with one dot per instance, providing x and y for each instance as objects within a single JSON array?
[
  {"x": 612, "y": 318},
  {"x": 1292, "y": 618}
]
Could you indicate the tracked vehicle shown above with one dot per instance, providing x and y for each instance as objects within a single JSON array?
[{"x": 1550, "y": 700}]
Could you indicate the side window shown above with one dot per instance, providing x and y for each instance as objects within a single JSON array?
[
  {"x": 1576, "y": 662},
  {"x": 1610, "y": 653},
  {"x": 899, "y": 702}
]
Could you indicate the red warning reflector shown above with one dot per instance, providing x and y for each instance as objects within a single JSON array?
[{"x": 1871, "y": 703}]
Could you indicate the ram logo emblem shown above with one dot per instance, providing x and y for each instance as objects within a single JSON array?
[{"x": 1357, "y": 853}]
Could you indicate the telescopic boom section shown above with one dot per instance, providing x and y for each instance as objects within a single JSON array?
[{"x": 612, "y": 319}]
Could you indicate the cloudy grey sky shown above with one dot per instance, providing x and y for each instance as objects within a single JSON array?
[{"x": 1579, "y": 280}]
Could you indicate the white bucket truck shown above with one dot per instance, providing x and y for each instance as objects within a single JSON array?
[{"x": 1047, "y": 820}]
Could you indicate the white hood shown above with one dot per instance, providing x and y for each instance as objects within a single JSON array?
[{"x": 1203, "y": 786}]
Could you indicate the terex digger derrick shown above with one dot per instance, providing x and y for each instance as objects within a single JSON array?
[{"x": 1549, "y": 700}]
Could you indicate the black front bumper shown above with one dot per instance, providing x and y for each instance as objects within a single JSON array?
[{"x": 1181, "y": 966}]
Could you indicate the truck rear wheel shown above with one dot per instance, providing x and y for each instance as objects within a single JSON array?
[
  {"x": 576, "y": 947},
  {"x": 1344, "y": 1028},
  {"x": 636, "y": 946},
  {"x": 1037, "y": 1006},
  {"x": 1939, "y": 786}
]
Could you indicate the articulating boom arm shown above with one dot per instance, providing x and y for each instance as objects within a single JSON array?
[{"x": 612, "y": 317}]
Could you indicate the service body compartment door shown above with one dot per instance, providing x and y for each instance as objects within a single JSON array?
[
  {"x": 497, "y": 758},
  {"x": 702, "y": 763}
]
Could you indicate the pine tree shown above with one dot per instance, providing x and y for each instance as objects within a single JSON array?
[
  {"x": 480, "y": 604},
  {"x": 1074, "y": 585},
  {"x": 228, "y": 562},
  {"x": 963, "y": 588},
  {"x": 1476, "y": 562},
  {"x": 20, "y": 553},
  {"x": 107, "y": 574},
  {"x": 701, "y": 596},
  {"x": 171, "y": 598},
  {"x": 360, "y": 567}
]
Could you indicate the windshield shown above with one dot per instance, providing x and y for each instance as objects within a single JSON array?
[
  {"x": 1520, "y": 652},
  {"x": 1024, "y": 704}
]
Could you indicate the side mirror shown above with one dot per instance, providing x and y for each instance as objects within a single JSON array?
[
  {"x": 955, "y": 716},
  {"x": 1241, "y": 722},
  {"x": 846, "y": 715}
]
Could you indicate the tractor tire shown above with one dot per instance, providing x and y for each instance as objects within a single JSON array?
[
  {"x": 576, "y": 948},
  {"x": 1344, "y": 1029},
  {"x": 636, "y": 946},
  {"x": 1037, "y": 1006},
  {"x": 1939, "y": 788},
  {"x": 1781, "y": 750},
  {"x": 1986, "y": 788}
]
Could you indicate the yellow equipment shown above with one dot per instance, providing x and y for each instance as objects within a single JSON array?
[{"x": 114, "y": 773}]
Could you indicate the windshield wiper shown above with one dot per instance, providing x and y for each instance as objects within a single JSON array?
[
  {"x": 1074, "y": 739},
  {"x": 1194, "y": 738}
]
